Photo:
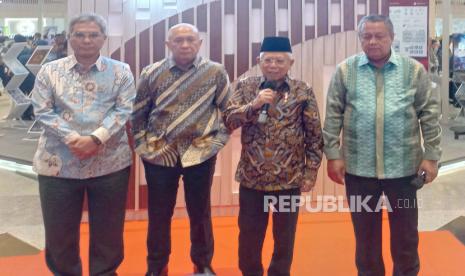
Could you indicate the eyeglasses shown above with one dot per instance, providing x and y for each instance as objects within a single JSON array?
[
  {"x": 181, "y": 40},
  {"x": 277, "y": 61},
  {"x": 377, "y": 37},
  {"x": 90, "y": 36}
]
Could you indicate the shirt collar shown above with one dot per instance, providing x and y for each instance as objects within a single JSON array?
[
  {"x": 287, "y": 80},
  {"x": 99, "y": 63},
  {"x": 394, "y": 59},
  {"x": 172, "y": 63}
]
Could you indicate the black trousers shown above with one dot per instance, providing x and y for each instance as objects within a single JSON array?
[
  {"x": 62, "y": 201},
  {"x": 163, "y": 185},
  {"x": 403, "y": 222},
  {"x": 253, "y": 221}
]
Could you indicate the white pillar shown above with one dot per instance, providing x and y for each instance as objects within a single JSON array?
[
  {"x": 40, "y": 17},
  {"x": 445, "y": 61}
]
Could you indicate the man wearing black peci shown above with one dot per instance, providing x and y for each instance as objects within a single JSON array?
[{"x": 281, "y": 153}]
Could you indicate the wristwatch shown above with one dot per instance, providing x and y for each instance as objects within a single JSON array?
[{"x": 96, "y": 140}]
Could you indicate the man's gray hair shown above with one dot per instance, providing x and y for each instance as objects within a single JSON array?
[
  {"x": 375, "y": 18},
  {"x": 180, "y": 25},
  {"x": 89, "y": 17}
]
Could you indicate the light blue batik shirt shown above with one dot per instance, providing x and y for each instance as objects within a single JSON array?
[
  {"x": 382, "y": 114},
  {"x": 68, "y": 102}
]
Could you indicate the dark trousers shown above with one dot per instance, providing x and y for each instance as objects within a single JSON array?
[
  {"x": 403, "y": 222},
  {"x": 163, "y": 185},
  {"x": 62, "y": 202},
  {"x": 253, "y": 221}
]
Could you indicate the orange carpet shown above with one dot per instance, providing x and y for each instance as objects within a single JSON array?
[{"x": 324, "y": 246}]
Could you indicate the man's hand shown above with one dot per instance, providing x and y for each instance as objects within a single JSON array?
[
  {"x": 82, "y": 146},
  {"x": 308, "y": 186},
  {"x": 430, "y": 167},
  {"x": 265, "y": 96},
  {"x": 337, "y": 170}
]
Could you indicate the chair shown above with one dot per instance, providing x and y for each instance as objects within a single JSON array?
[{"x": 459, "y": 129}]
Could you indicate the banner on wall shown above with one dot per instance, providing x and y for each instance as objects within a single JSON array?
[
  {"x": 458, "y": 53},
  {"x": 410, "y": 30}
]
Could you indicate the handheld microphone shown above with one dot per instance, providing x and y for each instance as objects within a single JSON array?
[
  {"x": 263, "y": 116},
  {"x": 419, "y": 180}
]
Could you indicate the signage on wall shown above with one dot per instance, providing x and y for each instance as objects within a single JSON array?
[
  {"x": 410, "y": 30},
  {"x": 24, "y": 26}
]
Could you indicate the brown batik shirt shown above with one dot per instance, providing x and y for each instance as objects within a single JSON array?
[
  {"x": 285, "y": 150},
  {"x": 177, "y": 114}
]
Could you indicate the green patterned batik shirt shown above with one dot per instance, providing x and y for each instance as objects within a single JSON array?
[{"x": 382, "y": 114}]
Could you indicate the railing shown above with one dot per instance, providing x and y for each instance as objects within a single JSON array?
[
  {"x": 20, "y": 2},
  {"x": 20, "y": 7},
  {"x": 453, "y": 2},
  {"x": 31, "y": 2}
]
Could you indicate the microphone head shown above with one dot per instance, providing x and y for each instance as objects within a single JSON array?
[{"x": 262, "y": 117}]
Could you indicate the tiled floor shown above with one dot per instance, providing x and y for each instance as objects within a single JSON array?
[
  {"x": 20, "y": 213},
  {"x": 442, "y": 200}
]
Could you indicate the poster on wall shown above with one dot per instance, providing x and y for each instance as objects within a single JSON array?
[
  {"x": 410, "y": 30},
  {"x": 24, "y": 26},
  {"x": 458, "y": 52}
]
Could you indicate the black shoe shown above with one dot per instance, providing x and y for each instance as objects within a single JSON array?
[
  {"x": 204, "y": 271},
  {"x": 163, "y": 272}
]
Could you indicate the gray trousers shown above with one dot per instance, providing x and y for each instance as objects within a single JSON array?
[{"x": 62, "y": 202}]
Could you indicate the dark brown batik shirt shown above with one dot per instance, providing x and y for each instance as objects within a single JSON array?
[
  {"x": 285, "y": 150},
  {"x": 177, "y": 114}
]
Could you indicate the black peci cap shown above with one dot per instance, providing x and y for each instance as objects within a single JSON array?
[{"x": 276, "y": 44}]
